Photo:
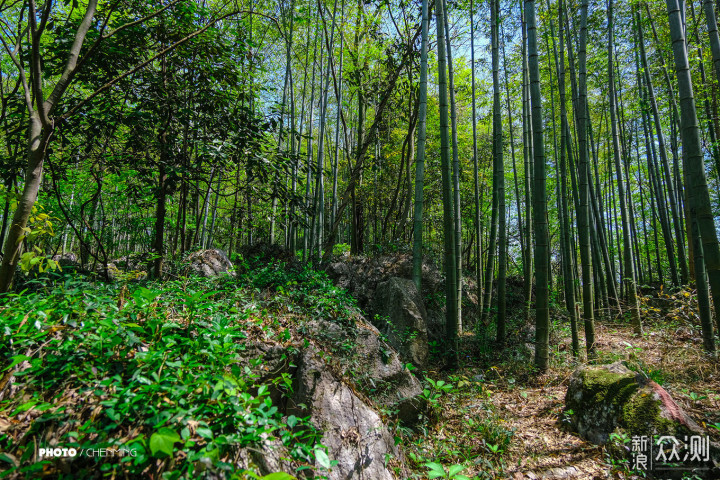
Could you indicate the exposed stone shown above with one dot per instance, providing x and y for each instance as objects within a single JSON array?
[
  {"x": 595, "y": 399},
  {"x": 342, "y": 378},
  {"x": 373, "y": 365},
  {"x": 603, "y": 398},
  {"x": 210, "y": 263},
  {"x": 395, "y": 387},
  {"x": 400, "y": 315},
  {"x": 67, "y": 259},
  {"x": 354, "y": 433},
  {"x": 360, "y": 276}
]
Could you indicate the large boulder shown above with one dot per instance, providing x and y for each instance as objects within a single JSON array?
[
  {"x": 602, "y": 398},
  {"x": 342, "y": 378},
  {"x": 373, "y": 366},
  {"x": 361, "y": 277},
  {"x": 353, "y": 432},
  {"x": 210, "y": 263},
  {"x": 401, "y": 317},
  {"x": 67, "y": 259}
]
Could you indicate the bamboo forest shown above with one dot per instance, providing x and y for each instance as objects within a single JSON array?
[{"x": 359, "y": 239}]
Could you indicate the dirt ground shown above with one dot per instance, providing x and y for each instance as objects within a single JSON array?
[{"x": 510, "y": 397}]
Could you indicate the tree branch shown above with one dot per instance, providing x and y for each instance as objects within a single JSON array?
[
  {"x": 71, "y": 65},
  {"x": 21, "y": 71},
  {"x": 35, "y": 64},
  {"x": 362, "y": 149},
  {"x": 142, "y": 65}
]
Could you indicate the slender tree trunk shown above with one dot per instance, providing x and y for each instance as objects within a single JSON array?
[
  {"x": 451, "y": 320},
  {"x": 518, "y": 202},
  {"x": 698, "y": 195},
  {"x": 628, "y": 271},
  {"x": 477, "y": 216},
  {"x": 584, "y": 174},
  {"x": 420, "y": 162},
  {"x": 456, "y": 173},
  {"x": 542, "y": 250},
  {"x": 492, "y": 249},
  {"x": 567, "y": 258},
  {"x": 528, "y": 157},
  {"x": 211, "y": 230},
  {"x": 499, "y": 177}
]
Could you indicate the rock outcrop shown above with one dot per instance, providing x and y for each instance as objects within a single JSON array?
[
  {"x": 400, "y": 315},
  {"x": 373, "y": 366},
  {"x": 341, "y": 379},
  {"x": 603, "y": 398},
  {"x": 210, "y": 263},
  {"x": 361, "y": 277},
  {"x": 354, "y": 433},
  {"x": 67, "y": 259}
]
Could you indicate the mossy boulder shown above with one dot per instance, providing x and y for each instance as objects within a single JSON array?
[{"x": 602, "y": 398}]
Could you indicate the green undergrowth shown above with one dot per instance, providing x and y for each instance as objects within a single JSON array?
[
  {"x": 151, "y": 374},
  {"x": 463, "y": 436}
]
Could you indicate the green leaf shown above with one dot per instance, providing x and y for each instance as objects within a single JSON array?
[
  {"x": 454, "y": 470},
  {"x": 6, "y": 457},
  {"x": 322, "y": 458},
  {"x": 436, "y": 470},
  {"x": 17, "y": 359},
  {"x": 162, "y": 441},
  {"x": 278, "y": 476}
]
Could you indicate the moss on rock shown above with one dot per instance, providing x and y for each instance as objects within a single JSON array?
[
  {"x": 601, "y": 399},
  {"x": 604, "y": 386},
  {"x": 641, "y": 415}
]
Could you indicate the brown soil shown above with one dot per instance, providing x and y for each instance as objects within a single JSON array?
[{"x": 670, "y": 352}]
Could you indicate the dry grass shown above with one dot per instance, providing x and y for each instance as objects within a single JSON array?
[{"x": 510, "y": 396}]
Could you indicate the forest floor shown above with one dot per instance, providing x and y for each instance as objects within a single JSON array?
[
  {"x": 77, "y": 368},
  {"x": 517, "y": 412}
]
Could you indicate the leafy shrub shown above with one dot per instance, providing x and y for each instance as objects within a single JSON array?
[{"x": 149, "y": 369}]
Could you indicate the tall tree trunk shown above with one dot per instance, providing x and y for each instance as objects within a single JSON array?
[
  {"x": 584, "y": 174},
  {"x": 456, "y": 172},
  {"x": 477, "y": 216},
  {"x": 628, "y": 270},
  {"x": 518, "y": 203},
  {"x": 567, "y": 258},
  {"x": 420, "y": 162},
  {"x": 528, "y": 159},
  {"x": 698, "y": 195},
  {"x": 451, "y": 320},
  {"x": 542, "y": 250},
  {"x": 40, "y": 127},
  {"x": 499, "y": 176}
]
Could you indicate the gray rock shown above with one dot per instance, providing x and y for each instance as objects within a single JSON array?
[
  {"x": 342, "y": 379},
  {"x": 401, "y": 316},
  {"x": 601, "y": 399},
  {"x": 67, "y": 259},
  {"x": 374, "y": 366},
  {"x": 360, "y": 276},
  {"x": 210, "y": 263},
  {"x": 391, "y": 385},
  {"x": 605, "y": 397},
  {"x": 354, "y": 433}
]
